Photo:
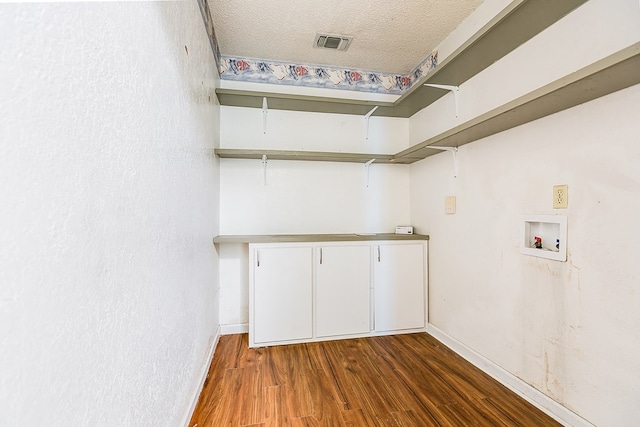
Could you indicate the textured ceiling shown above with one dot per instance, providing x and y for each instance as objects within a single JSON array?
[{"x": 391, "y": 36}]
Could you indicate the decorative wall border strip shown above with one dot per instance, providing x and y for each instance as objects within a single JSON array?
[{"x": 262, "y": 71}]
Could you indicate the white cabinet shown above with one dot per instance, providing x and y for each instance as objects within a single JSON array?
[
  {"x": 300, "y": 292},
  {"x": 398, "y": 283},
  {"x": 343, "y": 290},
  {"x": 281, "y": 301}
]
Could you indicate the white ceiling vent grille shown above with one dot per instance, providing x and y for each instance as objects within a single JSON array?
[{"x": 332, "y": 41}]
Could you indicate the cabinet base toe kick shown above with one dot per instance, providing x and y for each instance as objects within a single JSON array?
[{"x": 334, "y": 338}]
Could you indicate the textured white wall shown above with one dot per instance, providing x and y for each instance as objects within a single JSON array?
[
  {"x": 569, "y": 329},
  {"x": 109, "y": 199},
  {"x": 295, "y": 130},
  {"x": 311, "y": 197},
  {"x": 234, "y": 285}
]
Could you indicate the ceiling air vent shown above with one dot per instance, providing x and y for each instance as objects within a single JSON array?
[{"x": 332, "y": 41}]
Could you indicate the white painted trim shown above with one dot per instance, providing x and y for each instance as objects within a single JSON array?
[
  {"x": 203, "y": 376},
  {"x": 236, "y": 328},
  {"x": 515, "y": 384}
]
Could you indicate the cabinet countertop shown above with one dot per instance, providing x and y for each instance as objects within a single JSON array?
[{"x": 294, "y": 238}]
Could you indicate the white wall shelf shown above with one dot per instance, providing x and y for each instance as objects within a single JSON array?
[{"x": 318, "y": 156}]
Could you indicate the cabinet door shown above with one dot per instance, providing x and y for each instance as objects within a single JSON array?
[
  {"x": 343, "y": 290},
  {"x": 282, "y": 294},
  {"x": 399, "y": 290}
]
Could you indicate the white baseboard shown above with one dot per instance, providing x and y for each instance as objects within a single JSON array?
[
  {"x": 515, "y": 384},
  {"x": 213, "y": 343},
  {"x": 236, "y": 328}
]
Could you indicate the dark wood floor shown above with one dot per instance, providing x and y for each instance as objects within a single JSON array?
[{"x": 400, "y": 380}]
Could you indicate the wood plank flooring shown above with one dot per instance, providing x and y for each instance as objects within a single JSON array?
[{"x": 398, "y": 380}]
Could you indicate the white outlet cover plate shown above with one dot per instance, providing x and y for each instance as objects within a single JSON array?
[
  {"x": 450, "y": 204},
  {"x": 560, "y": 202}
]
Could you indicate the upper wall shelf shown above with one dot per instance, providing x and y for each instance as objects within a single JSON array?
[
  {"x": 519, "y": 22},
  {"x": 306, "y": 155},
  {"x": 317, "y": 104},
  {"x": 615, "y": 72}
]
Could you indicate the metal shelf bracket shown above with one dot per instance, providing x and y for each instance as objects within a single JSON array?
[
  {"x": 366, "y": 118},
  {"x": 454, "y": 89},
  {"x": 264, "y": 169},
  {"x": 265, "y": 110},
  {"x": 366, "y": 166},
  {"x": 452, "y": 150}
]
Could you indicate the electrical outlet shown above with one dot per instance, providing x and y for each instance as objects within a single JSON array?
[
  {"x": 450, "y": 204},
  {"x": 560, "y": 196}
]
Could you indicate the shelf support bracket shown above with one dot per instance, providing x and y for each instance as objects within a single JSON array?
[
  {"x": 264, "y": 169},
  {"x": 265, "y": 110},
  {"x": 452, "y": 150},
  {"x": 450, "y": 88},
  {"x": 366, "y": 118},
  {"x": 366, "y": 166}
]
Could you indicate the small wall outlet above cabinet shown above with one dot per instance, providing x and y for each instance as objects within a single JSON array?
[
  {"x": 545, "y": 236},
  {"x": 450, "y": 204}
]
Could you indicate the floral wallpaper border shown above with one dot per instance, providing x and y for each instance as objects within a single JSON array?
[{"x": 261, "y": 71}]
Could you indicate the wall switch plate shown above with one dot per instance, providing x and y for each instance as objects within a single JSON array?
[
  {"x": 450, "y": 204},
  {"x": 560, "y": 196}
]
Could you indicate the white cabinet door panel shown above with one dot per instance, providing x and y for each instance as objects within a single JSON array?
[
  {"x": 282, "y": 294},
  {"x": 399, "y": 291},
  {"x": 343, "y": 290}
]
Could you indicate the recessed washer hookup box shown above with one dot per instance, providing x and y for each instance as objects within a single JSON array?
[{"x": 404, "y": 229}]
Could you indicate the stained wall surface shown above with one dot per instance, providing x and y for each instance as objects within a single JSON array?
[
  {"x": 569, "y": 329},
  {"x": 108, "y": 202}
]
